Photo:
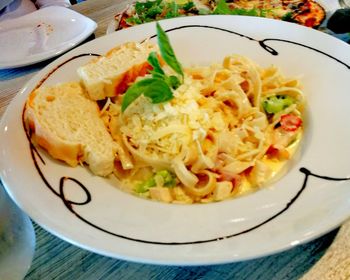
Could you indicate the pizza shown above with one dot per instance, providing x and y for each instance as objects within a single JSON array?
[{"x": 305, "y": 12}]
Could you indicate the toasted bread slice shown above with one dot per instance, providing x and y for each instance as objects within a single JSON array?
[
  {"x": 66, "y": 123},
  {"x": 110, "y": 75}
]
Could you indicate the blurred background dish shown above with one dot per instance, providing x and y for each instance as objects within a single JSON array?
[
  {"x": 313, "y": 14},
  {"x": 305, "y": 12},
  {"x": 42, "y": 34},
  {"x": 17, "y": 240}
]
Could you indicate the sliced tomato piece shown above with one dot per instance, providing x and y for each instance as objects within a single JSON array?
[
  {"x": 290, "y": 122},
  {"x": 280, "y": 154},
  {"x": 272, "y": 151},
  {"x": 310, "y": 22}
]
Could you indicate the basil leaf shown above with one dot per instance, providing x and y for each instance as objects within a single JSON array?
[
  {"x": 156, "y": 89},
  {"x": 134, "y": 91},
  {"x": 167, "y": 51},
  {"x": 153, "y": 12},
  {"x": 139, "y": 7},
  {"x": 222, "y": 8},
  {"x": 172, "y": 8},
  {"x": 173, "y": 81},
  {"x": 188, "y": 6},
  {"x": 157, "y": 75},
  {"x": 148, "y": 11},
  {"x": 133, "y": 20},
  {"x": 158, "y": 72},
  {"x": 288, "y": 17},
  {"x": 153, "y": 60}
]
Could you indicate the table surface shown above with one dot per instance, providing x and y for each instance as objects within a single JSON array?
[{"x": 327, "y": 257}]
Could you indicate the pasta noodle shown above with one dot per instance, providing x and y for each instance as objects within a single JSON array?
[{"x": 229, "y": 130}]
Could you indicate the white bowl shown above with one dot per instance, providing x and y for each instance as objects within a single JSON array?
[{"x": 93, "y": 213}]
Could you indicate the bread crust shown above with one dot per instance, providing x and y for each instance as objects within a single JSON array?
[
  {"x": 121, "y": 81},
  {"x": 68, "y": 152},
  {"x": 64, "y": 122}
]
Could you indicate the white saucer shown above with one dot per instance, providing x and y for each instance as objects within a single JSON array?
[{"x": 42, "y": 34}]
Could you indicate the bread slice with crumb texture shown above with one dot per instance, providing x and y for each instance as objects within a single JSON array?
[
  {"x": 111, "y": 74},
  {"x": 66, "y": 123}
]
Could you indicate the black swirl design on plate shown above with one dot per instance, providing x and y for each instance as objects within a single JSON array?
[
  {"x": 262, "y": 43},
  {"x": 88, "y": 198}
]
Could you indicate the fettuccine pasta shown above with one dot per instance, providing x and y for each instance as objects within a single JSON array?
[{"x": 229, "y": 130}]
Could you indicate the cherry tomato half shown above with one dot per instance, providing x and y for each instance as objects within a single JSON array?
[{"x": 290, "y": 122}]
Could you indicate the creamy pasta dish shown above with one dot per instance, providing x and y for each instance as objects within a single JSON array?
[{"x": 229, "y": 129}]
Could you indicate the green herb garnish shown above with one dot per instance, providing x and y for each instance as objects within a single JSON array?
[
  {"x": 159, "y": 9},
  {"x": 288, "y": 17},
  {"x": 223, "y": 9},
  {"x": 148, "y": 11},
  {"x": 158, "y": 72},
  {"x": 155, "y": 10},
  {"x": 172, "y": 10},
  {"x": 154, "y": 62},
  {"x": 188, "y": 6},
  {"x": 167, "y": 51},
  {"x": 157, "y": 88}
]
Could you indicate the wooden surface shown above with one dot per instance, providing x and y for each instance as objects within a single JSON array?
[{"x": 57, "y": 259}]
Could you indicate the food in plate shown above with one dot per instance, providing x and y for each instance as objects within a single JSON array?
[
  {"x": 109, "y": 75},
  {"x": 64, "y": 121},
  {"x": 305, "y": 12},
  {"x": 192, "y": 134}
]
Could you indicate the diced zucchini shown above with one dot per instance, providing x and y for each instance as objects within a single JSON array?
[{"x": 276, "y": 103}]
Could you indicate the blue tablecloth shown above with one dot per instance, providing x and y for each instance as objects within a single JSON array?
[{"x": 56, "y": 259}]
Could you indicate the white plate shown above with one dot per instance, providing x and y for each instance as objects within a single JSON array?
[
  {"x": 42, "y": 34},
  {"x": 94, "y": 214}
]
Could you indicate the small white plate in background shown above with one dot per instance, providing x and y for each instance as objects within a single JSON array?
[{"x": 42, "y": 34}]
